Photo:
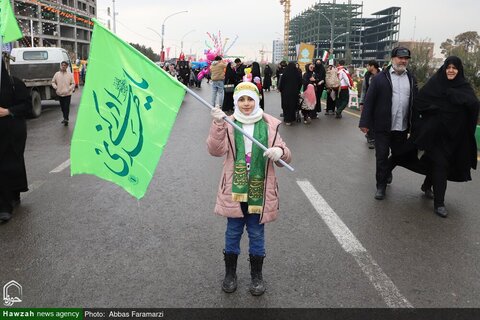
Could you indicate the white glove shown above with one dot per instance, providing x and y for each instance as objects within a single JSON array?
[
  {"x": 273, "y": 153},
  {"x": 218, "y": 115}
]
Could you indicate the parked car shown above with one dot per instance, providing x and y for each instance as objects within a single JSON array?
[{"x": 36, "y": 67}]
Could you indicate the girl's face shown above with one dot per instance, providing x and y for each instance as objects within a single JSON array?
[
  {"x": 246, "y": 105},
  {"x": 311, "y": 67},
  {"x": 451, "y": 71}
]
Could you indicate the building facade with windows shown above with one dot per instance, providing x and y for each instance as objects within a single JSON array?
[
  {"x": 56, "y": 23},
  {"x": 342, "y": 29},
  {"x": 277, "y": 52}
]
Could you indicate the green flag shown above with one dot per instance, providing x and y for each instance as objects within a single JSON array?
[
  {"x": 126, "y": 113},
  {"x": 9, "y": 29}
]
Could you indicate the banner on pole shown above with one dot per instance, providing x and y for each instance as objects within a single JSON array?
[
  {"x": 127, "y": 110},
  {"x": 9, "y": 29},
  {"x": 305, "y": 54}
]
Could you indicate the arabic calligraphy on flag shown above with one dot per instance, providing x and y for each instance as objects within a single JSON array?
[{"x": 127, "y": 110}]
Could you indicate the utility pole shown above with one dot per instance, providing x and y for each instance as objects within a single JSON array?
[{"x": 31, "y": 32}]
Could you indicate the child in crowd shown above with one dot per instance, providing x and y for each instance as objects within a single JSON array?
[{"x": 248, "y": 192}]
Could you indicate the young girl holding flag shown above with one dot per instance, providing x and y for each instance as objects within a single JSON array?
[{"x": 248, "y": 190}]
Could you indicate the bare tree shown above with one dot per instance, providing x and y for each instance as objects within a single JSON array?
[
  {"x": 468, "y": 41},
  {"x": 466, "y": 46},
  {"x": 422, "y": 54}
]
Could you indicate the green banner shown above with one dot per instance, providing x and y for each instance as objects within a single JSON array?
[
  {"x": 9, "y": 29},
  {"x": 127, "y": 110},
  {"x": 44, "y": 314}
]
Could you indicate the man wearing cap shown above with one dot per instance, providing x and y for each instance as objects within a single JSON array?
[{"x": 387, "y": 110}]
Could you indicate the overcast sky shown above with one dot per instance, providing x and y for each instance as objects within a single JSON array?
[{"x": 258, "y": 22}]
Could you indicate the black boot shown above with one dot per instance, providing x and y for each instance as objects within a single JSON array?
[
  {"x": 229, "y": 284},
  {"x": 380, "y": 194},
  {"x": 257, "y": 287}
]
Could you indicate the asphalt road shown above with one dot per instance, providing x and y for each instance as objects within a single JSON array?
[{"x": 83, "y": 242}]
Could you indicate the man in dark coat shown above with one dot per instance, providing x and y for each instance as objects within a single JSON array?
[
  {"x": 388, "y": 109},
  {"x": 372, "y": 70},
  {"x": 239, "y": 70},
  {"x": 14, "y": 107}
]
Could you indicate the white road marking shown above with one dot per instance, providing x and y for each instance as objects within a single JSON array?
[
  {"x": 351, "y": 113},
  {"x": 382, "y": 283},
  {"x": 33, "y": 186},
  {"x": 61, "y": 167}
]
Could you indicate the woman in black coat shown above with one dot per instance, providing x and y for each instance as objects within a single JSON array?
[
  {"x": 445, "y": 129},
  {"x": 256, "y": 73},
  {"x": 290, "y": 85},
  {"x": 267, "y": 78},
  {"x": 309, "y": 77},
  {"x": 230, "y": 78},
  {"x": 14, "y": 107}
]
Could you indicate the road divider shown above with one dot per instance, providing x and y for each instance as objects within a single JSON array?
[
  {"x": 33, "y": 186},
  {"x": 61, "y": 167}
]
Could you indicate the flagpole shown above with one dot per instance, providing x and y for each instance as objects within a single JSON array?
[{"x": 227, "y": 119}]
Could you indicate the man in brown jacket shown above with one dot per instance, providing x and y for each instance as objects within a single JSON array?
[
  {"x": 64, "y": 86},
  {"x": 217, "y": 74}
]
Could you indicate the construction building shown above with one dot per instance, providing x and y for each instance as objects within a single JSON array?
[
  {"x": 342, "y": 29},
  {"x": 277, "y": 52},
  {"x": 56, "y": 23}
]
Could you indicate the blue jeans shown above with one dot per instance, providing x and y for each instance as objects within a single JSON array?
[
  {"x": 256, "y": 233},
  {"x": 217, "y": 88}
]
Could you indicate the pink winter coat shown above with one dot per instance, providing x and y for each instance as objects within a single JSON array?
[{"x": 221, "y": 142}]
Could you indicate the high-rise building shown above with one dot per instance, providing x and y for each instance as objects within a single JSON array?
[
  {"x": 341, "y": 29},
  {"x": 277, "y": 52},
  {"x": 56, "y": 23}
]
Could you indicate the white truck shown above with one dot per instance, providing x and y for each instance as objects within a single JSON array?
[{"x": 36, "y": 67}]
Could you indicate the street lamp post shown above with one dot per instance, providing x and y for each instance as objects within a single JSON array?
[
  {"x": 181, "y": 42},
  {"x": 162, "y": 53},
  {"x": 331, "y": 31}
]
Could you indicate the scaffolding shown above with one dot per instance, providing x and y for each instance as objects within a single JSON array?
[{"x": 342, "y": 29}]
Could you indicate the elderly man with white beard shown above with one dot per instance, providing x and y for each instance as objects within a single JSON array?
[{"x": 387, "y": 110}]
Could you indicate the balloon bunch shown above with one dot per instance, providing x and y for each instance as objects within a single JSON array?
[{"x": 215, "y": 48}]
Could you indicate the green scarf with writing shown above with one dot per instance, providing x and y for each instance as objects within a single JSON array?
[{"x": 250, "y": 187}]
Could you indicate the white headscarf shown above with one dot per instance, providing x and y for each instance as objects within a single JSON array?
[{"x": 250, "y": 90}]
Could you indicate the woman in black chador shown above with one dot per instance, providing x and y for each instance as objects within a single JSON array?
[
  {"x": 290, "y": 85},
  {"x": 257, "y": 76},
  {"x": 267, "y": 78},
  {"x": 230, "y": 78},
  {"x": 445, "y": 129},
  {"x": 14, "y": 107}
]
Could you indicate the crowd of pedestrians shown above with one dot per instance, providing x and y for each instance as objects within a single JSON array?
[
  {"x": 430, "y": 131},
  {"x": 399, "y": 122}
]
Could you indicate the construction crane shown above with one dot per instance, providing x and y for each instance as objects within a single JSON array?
[{"x": 286, "y": 25}]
